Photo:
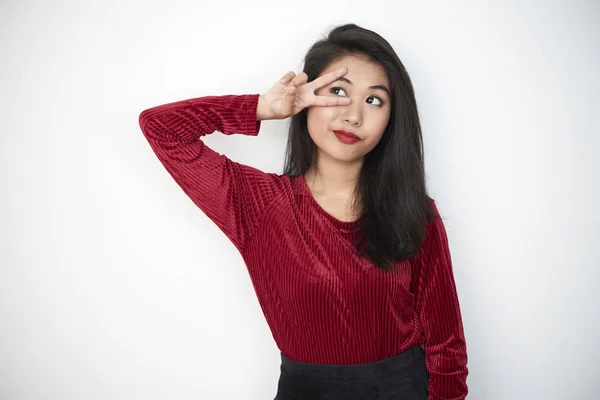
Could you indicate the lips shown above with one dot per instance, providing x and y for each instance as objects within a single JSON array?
[{"x": 346, "y": 137}]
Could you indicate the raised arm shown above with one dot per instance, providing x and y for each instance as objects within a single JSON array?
[{"x": 232, "y": 195}]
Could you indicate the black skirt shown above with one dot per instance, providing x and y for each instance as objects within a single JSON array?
[{"x": 401, "y": 377}]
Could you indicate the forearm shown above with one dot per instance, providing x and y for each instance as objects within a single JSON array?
[{"x": 187, "y": 120}]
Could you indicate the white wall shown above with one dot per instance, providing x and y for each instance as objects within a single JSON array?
[{"x": 114, "y": 286}]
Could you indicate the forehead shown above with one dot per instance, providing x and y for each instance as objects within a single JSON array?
[{"x": 361, "y": 71}]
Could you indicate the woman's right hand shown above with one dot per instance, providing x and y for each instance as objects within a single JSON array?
[{"x": 293, "y": 93}]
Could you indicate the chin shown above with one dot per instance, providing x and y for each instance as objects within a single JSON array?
[{"x": 342, "y": 154}]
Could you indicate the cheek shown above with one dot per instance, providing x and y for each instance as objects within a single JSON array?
[
  {"x": 318, "y": 119},
  {"x": 379, "y": 125},
  {"x": 320, "y": 113},
  {"x": 373, "y": 141}
]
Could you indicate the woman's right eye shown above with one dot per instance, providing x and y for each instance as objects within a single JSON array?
[{"x": 333, "y": 90}]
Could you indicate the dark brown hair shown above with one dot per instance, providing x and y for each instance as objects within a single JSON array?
[{"x": 391, "y": 192}]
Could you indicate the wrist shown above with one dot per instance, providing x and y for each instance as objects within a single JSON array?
[{"x": 262, "y": 110}]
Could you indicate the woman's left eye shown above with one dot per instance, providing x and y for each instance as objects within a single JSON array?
[{"x": 377, "y": 99}]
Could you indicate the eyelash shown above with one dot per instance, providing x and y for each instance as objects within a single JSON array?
[{"x": 374, "y": 97}]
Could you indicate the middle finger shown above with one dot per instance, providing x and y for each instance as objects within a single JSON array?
[
  {"x": 299, "y": 79},
  {"x": 328, "y": 78}
]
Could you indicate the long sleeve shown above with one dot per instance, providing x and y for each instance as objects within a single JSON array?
[
  {"x": 440, "y": 317},
  {"x": 232, "y": 195}
]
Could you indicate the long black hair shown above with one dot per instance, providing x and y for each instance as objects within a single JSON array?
[{"x": 391, "y": 194}]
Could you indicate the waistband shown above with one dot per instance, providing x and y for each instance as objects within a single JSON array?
[{"x": 411, "y": 361}]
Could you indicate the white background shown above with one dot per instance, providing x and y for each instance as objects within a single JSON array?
[{"x": 113, "y": 285}]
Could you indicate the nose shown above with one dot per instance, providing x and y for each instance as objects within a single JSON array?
[{"x": 352, "y": 114}]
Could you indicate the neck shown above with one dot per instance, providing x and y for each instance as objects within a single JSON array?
[{"x": 333, "y": 178}]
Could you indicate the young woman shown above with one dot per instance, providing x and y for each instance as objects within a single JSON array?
[{"x": 347, "y": 253}]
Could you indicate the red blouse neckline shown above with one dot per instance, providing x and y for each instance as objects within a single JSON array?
[{"x": 336, "y": 222}]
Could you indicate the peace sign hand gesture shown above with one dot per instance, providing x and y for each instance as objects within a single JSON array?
[{"x": 292, "y": 94}]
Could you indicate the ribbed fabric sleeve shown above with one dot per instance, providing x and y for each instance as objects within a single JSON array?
[
  {"x": 232, "y": 195},
  {"x": 322, "y": 301},
  {"x": 439, "y": 315}
]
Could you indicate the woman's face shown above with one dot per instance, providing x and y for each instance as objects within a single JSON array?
[{"x": 367, "y": 115}]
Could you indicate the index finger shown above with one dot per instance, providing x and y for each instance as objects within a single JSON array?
[{"x": 328, "y": 78}]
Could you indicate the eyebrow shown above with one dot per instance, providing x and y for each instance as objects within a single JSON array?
[{"x": 380, "y": 87}]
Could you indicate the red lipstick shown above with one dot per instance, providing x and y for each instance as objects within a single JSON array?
[{"x": 346, "y": 137}]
